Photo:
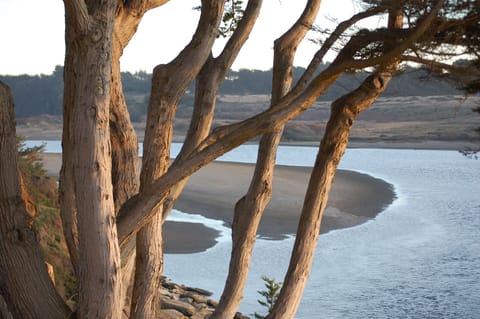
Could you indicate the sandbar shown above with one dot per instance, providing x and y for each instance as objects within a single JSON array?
[{"x": 213, "y": 191}]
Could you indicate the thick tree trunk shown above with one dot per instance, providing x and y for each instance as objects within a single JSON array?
[
  {"x": 123, "y": 139},
  {"x": 89, "y": 33},
  {"x": 68, "y": 209},
  {"x": 249, "y": 210},
  {"x": 25, "y": 286},
  {"x": 125, "y": 162},
  {"x": 148, "y": 270}
]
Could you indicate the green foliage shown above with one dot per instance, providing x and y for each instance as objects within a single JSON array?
[
  {"x": 33, "y": 173},
  {"x": 270, "y": 295},
  {"x": 37, "y": 94},
  {"x": 232, "y": 15},
  {"x": 43, "y": 190},
  {"x": 29, "y": 158}
]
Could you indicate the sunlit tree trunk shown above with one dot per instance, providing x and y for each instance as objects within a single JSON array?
[
  {"x": 344, "y": 111},
  {"x": 25, "y": 286},
  {"x": 249, "y": 209},
  {"x": 89, "y": 33}
]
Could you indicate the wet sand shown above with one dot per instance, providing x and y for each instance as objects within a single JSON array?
[{"x": 213, "y": 191}]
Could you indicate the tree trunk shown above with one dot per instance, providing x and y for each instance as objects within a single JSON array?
[
  {"x": 148, "y": 270},
  {"x": 343, "y": 114},
  {"x": 249, "y": 209},
  {"x": 25, "y": 285},
  {"x": 89, "y": 33},
  {"x": 344, "y": 111},
  {"x": 169, "y": 83}
]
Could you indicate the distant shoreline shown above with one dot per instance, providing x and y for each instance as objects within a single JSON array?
[
  {"x": 373, "y": 143},
  {"x": 213, "y": 191}
]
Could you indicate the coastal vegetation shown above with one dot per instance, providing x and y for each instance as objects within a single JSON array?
[{"x": 113, "y": 211}]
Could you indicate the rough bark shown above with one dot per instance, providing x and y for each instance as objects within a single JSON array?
[
  {"x": 125, "y": 164},
  {"x": 89, "y": 33},
  {"x": 68, "y": 210},
  {"x": 249, "y": 209},
  {"x": 169, "y": 83},
  {"x": 124, "y": 142},
  {"x": 148, "y": 270},
  {"x": 25, "y": 285}
]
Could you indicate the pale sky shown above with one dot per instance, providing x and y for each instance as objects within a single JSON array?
[{"x": 32, "y": 34}]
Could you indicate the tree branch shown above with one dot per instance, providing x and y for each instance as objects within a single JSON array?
[
  {"x": 78, "y": 12},
  {"x": 441, "y": 66},
  {"x": 137, "y": 211},
  {"x": 329, "y": 42}
]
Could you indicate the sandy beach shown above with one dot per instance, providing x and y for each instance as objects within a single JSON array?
[{"x": 214, "y": 190}]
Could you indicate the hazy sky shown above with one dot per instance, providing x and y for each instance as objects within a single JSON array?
[{"x": 32, "y": 33}]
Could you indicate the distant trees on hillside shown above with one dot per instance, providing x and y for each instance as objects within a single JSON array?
[
  {"x": 37, "y": 94},
  {"x": 43, "y": 94}
]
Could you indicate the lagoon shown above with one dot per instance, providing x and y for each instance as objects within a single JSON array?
[{"x": 417, "y": 259}]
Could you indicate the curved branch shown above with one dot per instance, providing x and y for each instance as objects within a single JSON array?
[
  {"x": 352, "y": 46},
  {"x": 137, "y": 211},
  {"x": 440, "y": 65},
  {"x": 330, "y": 41}
]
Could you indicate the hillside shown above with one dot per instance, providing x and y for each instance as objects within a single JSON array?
[
  {"x": 391, "y": 121},
  {"x": 415, "y": 108},
  {"x": 42, "y": 94}
]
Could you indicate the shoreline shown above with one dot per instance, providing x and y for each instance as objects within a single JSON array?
[
  {"x": 213, "y": 191},
  {"x": 438, "y": 145}
]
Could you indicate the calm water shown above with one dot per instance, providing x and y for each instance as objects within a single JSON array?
[{"x": 420, "y": 258}]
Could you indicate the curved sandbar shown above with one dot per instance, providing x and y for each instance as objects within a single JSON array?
[
  {"x": 354, "y": 199},
  {"x": 214, "y": 190}
]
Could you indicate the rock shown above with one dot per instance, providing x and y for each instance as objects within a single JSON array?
[
  {"x": 196, "y": 298},
  {"x": 190, "y": 303},
  {"x": 212, "y": 303},
  {"x": 199, "y": 291},
  {"x": 185, "y": 308},
  {"x": 202, "y": 314},
  {"x": 238, "y": 315},
  {"x": 170, "y": 314}
]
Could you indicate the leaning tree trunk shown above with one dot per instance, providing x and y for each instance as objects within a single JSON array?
[
  {"x": 333, "y": 145},
  {"x": 344, "y": 111},
  {"x": 25, "y": 286},
  {"x": 89, "y": 32},
  {"x": 249, "y": 209}
]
